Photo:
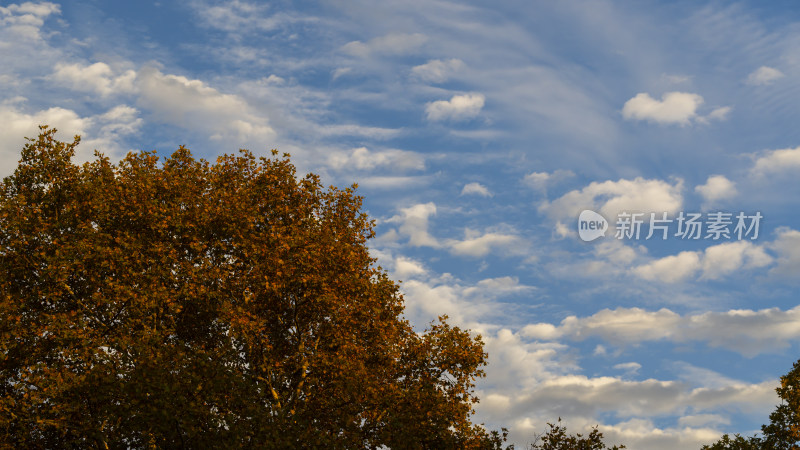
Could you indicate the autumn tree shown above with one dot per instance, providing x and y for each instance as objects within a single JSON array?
[
  {"x": 180, "y": 304},
  {"x": 557, "y": 438},
  {"x": 783, "y": 430}
]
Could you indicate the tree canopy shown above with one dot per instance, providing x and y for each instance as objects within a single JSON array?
[
  {"x": 182, "y": 304},
  {"x": 783, "y": 430},
  {"x": 556, "y": 438}
]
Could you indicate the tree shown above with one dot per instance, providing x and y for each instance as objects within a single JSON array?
[
  {"x": 196, "y": 305},
  {"x": 783, "y": 430},
  {"x": 556, "y": 438}
]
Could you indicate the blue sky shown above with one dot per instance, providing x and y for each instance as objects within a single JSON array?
[{"x": 477, "y": 132}]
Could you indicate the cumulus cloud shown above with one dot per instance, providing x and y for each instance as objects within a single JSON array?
[
  {"x": 673, "y": 108},
  {"x": 787, "y": 246},
  {"x": 414, "y": 224},
  {"x": 476, "y": 189},
  {"x": 670, "y": 269},
  {"x": 363, "y": 159},
  {"x": 777, "y": 161},
  {"x": 716, "y": 189},
  {"x": 391, "y": 44},
  {"x": 192, "y": 104},
  {"x": 717, "y": 261},
  {"x": 459, "y": 107},
  {"x": 729, "y": 257},
  {"x": 745, "y": 331},
  {"x": 437, "y": 70},
  {"x": 98, "y": 77},
  {"x": 763, "y": 76},
  {"x": 25, "y": 20},
  {"x": 612, "y": 197}
]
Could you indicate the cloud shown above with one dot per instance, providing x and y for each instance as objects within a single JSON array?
[
  {"x": 25, "y": 20},
  {"x": 763, "y": 76},
  {"x": 716, "y": 189},
  {"x": 720, "y": 113},
  {"x": 414, "y": 224},
  {"x": 631, "y": 368},
  {"x": 729, "y": 257},
  {"x": 717, "y": 261},
  {"x": 98, "y": 77},
  {"x": 670, "y": 269},
  {"x": 192, "y": 104},
  {"x": 612, "y": 197},
  {"x": 437, "y": 70},
  {"x": 390, "y": 44},
  {"x": 674, "y": 108},
  {"x": 340, "y": 71},
  {"x": 787, "y": 246},
  {"x": 363, "y": 159},
  {"x": 394, "y": 182},
  {"x": 777, "y": 161},
  {"x": 459, "y": 107},
  {"x": 476, "y": 189},
  {"x": 478, "y": 245},
  {"x": 541, "y": 180},
  {"x": 746, "y": 331},
  {"x": 237, "y": 16}
]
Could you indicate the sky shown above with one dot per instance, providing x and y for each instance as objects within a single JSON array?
[{"x": 477, "y": 133}]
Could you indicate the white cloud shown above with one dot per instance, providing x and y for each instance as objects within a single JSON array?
[
  {"x": 787, "y": 246},
  {"x": 341, "y": 71},
  {"x": 745, "y": 331},
  {"x": 437, "y": 70},
  {"x": 407, "y": 267},
  {"x": 194, "y": 105},
  {"x": 394, "y": 182},
  {"x": 25, "y": 20},
  {"x": 478, "y": 245},
  {"x": 541, "y": 180},
  {"x": 237, "y": 16},
  {"x": 716, "y": 261},
  {"x": 363, "y": 159},
  {"x": 631, "y": 368},
  {"x": 764, "y": 75},
  {"x": 414, "y": 224},
  {"x": 673, "y": 108},
  {"x": 98, "y": 77},
  {"x": 476, "y": 189},
  {"x": 720, "y": 113},
  {"x": 459, "y": 107},
  {"x": 729, "y": 257},
  {"x": 716, "y": 189},
  {"x": 612, "y": 197},
  {"x": 776, "y": 161},
  {"x": 391, "y": 44}
]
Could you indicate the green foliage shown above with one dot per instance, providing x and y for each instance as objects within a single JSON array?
[{"x": 191, "y": 305}]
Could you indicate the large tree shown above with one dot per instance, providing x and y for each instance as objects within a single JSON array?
[{"x": 181, "y": 304}]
